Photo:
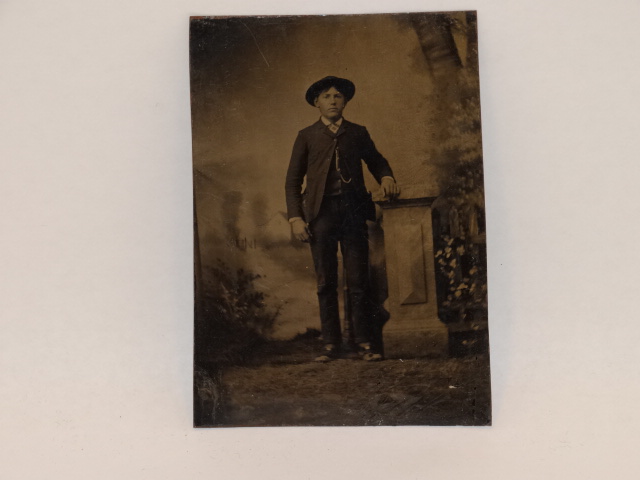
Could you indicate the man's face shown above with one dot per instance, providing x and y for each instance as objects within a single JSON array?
[{"x": 331, "y": 104}]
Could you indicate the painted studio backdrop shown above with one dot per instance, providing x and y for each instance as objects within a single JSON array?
[{"x": 257, "y": 321}]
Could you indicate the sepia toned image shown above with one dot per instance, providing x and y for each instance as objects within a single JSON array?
[{"x": 339, "y": 221}]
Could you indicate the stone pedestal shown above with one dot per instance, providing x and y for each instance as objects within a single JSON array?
[{"x": 414, "y": 328}]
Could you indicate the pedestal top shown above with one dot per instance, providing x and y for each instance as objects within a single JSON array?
[{"x": 410, "y": 195}]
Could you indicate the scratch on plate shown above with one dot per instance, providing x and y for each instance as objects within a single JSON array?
[{"x": 256, "y": 42}]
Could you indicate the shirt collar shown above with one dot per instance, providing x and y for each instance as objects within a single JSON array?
[{"x": 327, "y": 122}]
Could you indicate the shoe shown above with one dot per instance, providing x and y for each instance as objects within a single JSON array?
[
  {"x": 329, "y": 352},
  {"x": 367, "y": 354}
]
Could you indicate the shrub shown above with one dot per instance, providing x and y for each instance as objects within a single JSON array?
[
  {"x": 234, "y": 318},
  {"x": 463, "y": 278},
  {"x": 237, "y": 300}
]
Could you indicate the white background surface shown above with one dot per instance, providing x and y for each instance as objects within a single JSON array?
[{"x": 95, "y": 252}]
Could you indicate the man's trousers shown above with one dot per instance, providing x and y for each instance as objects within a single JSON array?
[{"x": 341, "y": 221}]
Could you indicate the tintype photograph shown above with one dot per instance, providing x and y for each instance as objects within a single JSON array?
[{"x": 339, "y": 221}]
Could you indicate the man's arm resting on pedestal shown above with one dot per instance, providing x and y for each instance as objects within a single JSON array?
[{"x": 389, "y": 187}]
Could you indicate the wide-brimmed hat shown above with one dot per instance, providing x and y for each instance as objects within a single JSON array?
[{"x": 344, "y": 86}]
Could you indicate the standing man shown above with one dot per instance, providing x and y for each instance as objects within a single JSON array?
[{"x": 334, "y": 208}]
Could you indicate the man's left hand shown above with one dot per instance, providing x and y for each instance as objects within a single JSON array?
[{"x": 390, "y": 188}]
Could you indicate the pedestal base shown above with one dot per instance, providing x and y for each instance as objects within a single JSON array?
[{"x": 416, "y": 343}]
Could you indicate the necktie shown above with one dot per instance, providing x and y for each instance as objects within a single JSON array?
[{"x": 333, "y": 127}]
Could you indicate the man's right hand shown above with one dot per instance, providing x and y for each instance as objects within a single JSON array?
[{"x": 300, "y": 230}]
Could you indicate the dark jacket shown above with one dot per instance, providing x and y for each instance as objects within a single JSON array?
[{"x": 312, "y": 156}]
